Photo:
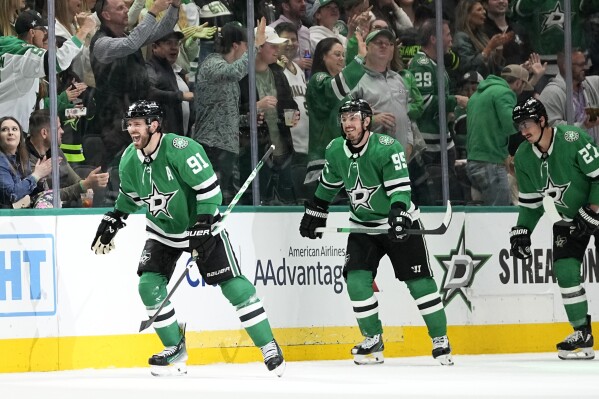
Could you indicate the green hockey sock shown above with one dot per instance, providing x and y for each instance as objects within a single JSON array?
[
  {"x": 574, "y": 297},
  {"x": 152, "y": 290},
  {"x": 242, "y": 294},
  {"x": 424, "y": 291},
  {"x": 364, "y": 302}
]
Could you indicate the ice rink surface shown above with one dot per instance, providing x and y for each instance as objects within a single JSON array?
[{"x": 481, "y": 376}]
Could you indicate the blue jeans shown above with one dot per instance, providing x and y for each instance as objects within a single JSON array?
[{"x": 491, "y": 180}]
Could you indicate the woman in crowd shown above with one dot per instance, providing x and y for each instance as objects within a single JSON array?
[
  {"x": 16, "y": 181},
  {"x": 328, "y": 89},
  {"x": 475, "y": 49},
  {"x": 9, "y": 9}
]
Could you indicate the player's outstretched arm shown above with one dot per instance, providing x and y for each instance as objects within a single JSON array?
[{"x": 111, "y": 223}]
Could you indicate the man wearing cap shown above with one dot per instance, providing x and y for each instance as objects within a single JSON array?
[
  {"x": 274, "y": 98},
  {"x": 385, "y": 90},
  {"x": 326, "y": 13},
  {"x": 489, "y": 125},
  {"x": 119, "y": 67},
  {"x": 169, "y": 87},
  {"x": 293, "y": 11},
  {"x": 23, "y": 61}
]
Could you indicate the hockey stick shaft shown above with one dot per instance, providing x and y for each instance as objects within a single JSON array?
[
  {"x": 365, "y": 230},
  {"x": 551, "y": 212},
  {"x": 147, "y": 323}
]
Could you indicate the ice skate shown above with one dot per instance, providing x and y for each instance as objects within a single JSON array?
[
  {"x": 172, "y": 360},
  {"x": 578, "y": 345},
  {"x": 273, "y": 358},
  {"x": 442, "y": 350},
  {"x": 369, "y": 351}
]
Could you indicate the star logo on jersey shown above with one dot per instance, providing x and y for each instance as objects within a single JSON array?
[
  {"x": 554, "y": 19},
  {"x": 555, "y": 191},
  {"x": 360, "y": 195},
  {"x": 158, "y": 201},
  {"x": 459, "y": 268}
]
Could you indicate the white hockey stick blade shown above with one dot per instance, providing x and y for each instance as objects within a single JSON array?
[
  {"x": 551, "y": 211},
  {"x": 365, "y": 230}
]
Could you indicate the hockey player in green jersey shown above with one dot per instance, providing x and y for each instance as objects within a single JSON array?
[
  {"x": 562, "y": 163},
  {"x": 171, "y": 177},
  {"x": 373, "y": 170}
]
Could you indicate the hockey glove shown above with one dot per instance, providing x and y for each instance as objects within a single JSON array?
[
  {"x": 315, "y": 215},
  {"x": 586, "y": 222},
  {"x": 399, "y": 220},
  {"x": 520, "y": 242},
  {"x": 201, "y": 240},
  {"x": 111, "y": 223}
]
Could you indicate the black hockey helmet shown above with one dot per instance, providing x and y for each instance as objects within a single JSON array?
[
  {"x": 357, "y": 105},
  {"x": 143, "y": 109},
  {"x": 529, "y": 109}
]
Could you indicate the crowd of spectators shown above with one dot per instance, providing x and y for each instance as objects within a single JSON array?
[{"x": 310, "y": 56}]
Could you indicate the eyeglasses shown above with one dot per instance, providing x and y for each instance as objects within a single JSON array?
[{"x": 381, "y": 43}]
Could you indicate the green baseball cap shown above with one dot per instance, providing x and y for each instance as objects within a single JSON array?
[{"x": 385, "y": 32}]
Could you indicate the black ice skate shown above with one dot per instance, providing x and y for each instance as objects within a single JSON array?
[
  {"x": 369, "y": 351},
  {"x": 442, "y": 350},
  {"x": 273, "y": 358},
  {"x": 578, "y": 345},
  {"x": 171, "y": 361}
]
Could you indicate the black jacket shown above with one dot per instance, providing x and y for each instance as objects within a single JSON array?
[{"x": 166, "y": 92}]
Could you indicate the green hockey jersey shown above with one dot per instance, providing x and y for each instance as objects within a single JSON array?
[
  {"x": 568, "y": 173},
  {"x": 545, "y": 20},
  {"x": 374, "y": 178},
  {"x": 424, "y": 70},
  {"x": 174, "y": 186}
]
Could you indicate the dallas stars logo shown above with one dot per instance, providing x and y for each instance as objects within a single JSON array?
[
  {"x": 158, "y": 201},
  {"x": 554, "y": 19},
  {"x": 459, "y": 267},
  {"x": 555, "y": 191},
  {"x": 360, "y": 195}
]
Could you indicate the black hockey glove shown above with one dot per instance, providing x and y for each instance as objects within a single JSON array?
[
  {"x": 315, "y": 215},
  {"x": 111, "y": 223},
  {"x": 399, "y": 220},
  {"x": 586, "y": 222},
  {"x": 201, "y": 240},
  {"x": 520, "y": 242}
]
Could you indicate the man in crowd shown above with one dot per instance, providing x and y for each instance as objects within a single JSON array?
[
  {"x": 23, "y": 61},
  {"x": 169, "y": 86},
  {"x": 39, "y": 145},
  {"x": 119, "y": 67}
]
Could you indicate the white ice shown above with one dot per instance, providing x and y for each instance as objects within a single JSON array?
[{"x": 482, "y": 376}]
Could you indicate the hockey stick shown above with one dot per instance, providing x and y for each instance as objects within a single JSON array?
[
  {"x": 147, "y": 323},
  {"x": 365, "y": 230},
  {"x": 552, "y": 213}
]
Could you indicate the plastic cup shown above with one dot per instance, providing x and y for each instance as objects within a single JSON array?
[
  {"x": 87, "y": 199},
  {"x": 289, "y": 115}
]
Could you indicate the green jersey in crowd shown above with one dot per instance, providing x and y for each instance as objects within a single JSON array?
[
  {"x": 568, "y": 172},
  {"x": 424, "y": 70},
  {"x": 545, "y": 22},
  {"x": 175, "y": 184},
  {"x": 374, "y": 178}
]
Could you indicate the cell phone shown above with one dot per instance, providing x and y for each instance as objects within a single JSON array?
[{"x": 75, "y": 112}]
